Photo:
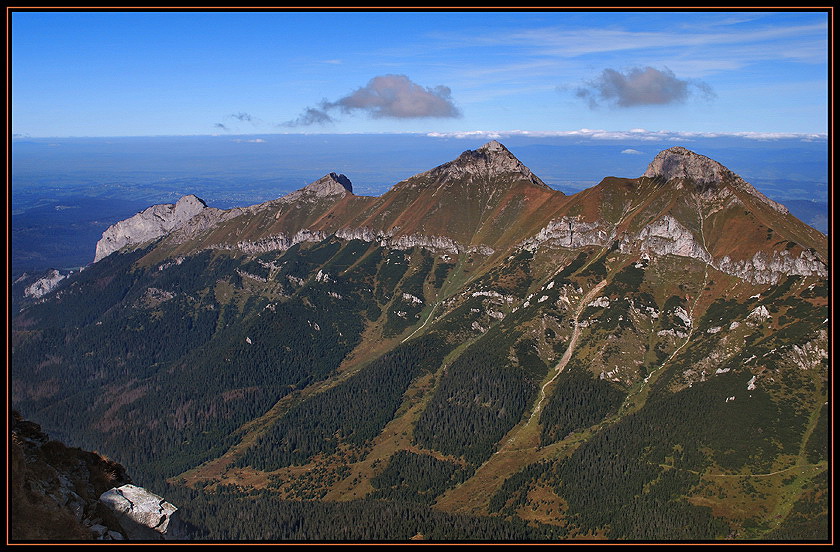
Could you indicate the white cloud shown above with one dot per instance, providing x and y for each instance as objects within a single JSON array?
[{"x": 632, "y": 134}]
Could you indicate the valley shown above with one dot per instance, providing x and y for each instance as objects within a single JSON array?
[{"x": 646, "y": 359}]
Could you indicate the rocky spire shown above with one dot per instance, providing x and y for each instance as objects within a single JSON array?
[{"x": 330, "y": 186}]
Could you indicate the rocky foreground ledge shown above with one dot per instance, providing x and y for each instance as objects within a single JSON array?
[
  {"x": 141, "y": 514},
  {"x": 58, "y": 493}
]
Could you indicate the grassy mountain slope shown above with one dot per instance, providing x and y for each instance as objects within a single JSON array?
[{"x": 646, "y": 359}]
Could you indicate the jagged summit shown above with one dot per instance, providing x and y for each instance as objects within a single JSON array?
[
  {"x": 494, "y": 146},
  {"x": 331, "y": 184},
  {"x": 682, "y": 163},
  {"x": 488, "y": 161}
]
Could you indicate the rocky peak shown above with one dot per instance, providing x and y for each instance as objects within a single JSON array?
[
  {"x": 494, "y": 146},
  {"x": 490, "y": 160},
  {"x": 189, "y": 205},
  {"x": 329, "y": 185},
  {"x": 682, "y": 163},
  {"x": 149, "y": 224},
  {"x": 679, "y": 162}
]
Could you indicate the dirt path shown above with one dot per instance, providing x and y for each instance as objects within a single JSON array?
[
  {"x": 567, "y": 354},
  {"x": 521, "y": 443}
]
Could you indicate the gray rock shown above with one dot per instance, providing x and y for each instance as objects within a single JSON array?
[
  {"x": 666, "y": 236},
  {"x": 571, "y": 232},
  {"x": 679, "y": 162},
  {"x": 147, "y": 225},
  {"x": 44, "y": 285},
  {"x": 142, "y": 515},
  {"x": 113, "y": 535},
  {"x": 764, "y": 268}
]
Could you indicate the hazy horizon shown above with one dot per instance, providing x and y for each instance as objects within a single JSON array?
[
  {"x": 139, "y": 107},
  {"x": 66, "y": 192}
]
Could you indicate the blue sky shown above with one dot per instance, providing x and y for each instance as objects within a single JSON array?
[{"x": 449, "y": 73}]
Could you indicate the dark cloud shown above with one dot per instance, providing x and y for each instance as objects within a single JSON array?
[
  {"x": 387, "y": 96},
  {"x": 640, "y": 86},
  {"x": 396, "y": 96},
  {"x": 245, "y": 117},
  {"x": 220, "y": 126}
]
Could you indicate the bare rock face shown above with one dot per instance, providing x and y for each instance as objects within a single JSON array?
[
  {"x": 666, "y": 236},
  {"x": 770, "y": 268},
  {"x": 329, "y": 185},
  {"x": 142, "y": 515},
  {"x": 571, "y": 232},
  {"x": 283, "y": 242},
  {"x": 44, "y": 285},
  {"x": 147, "y": 225},
  {"x": 679, "y": 162}
]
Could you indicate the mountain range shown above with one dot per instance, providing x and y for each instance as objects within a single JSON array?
[{"x": 646, "y": 359}]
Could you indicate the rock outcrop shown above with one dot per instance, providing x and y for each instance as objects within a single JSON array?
[
  {"x": 142, "y": 515},
  {"x": 282, "y": 242},
  {"x": 572, "y": 233},
  {"x": 666, "y": 236},
  {"x": 56, "y": 494},
  {"x": 44, "y": 285},
  {"x": 147, "y": 225},
  {"x": 770, "y": 268}
]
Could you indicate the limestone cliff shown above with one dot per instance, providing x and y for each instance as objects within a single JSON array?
[{"x": 147, "y": 225}]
